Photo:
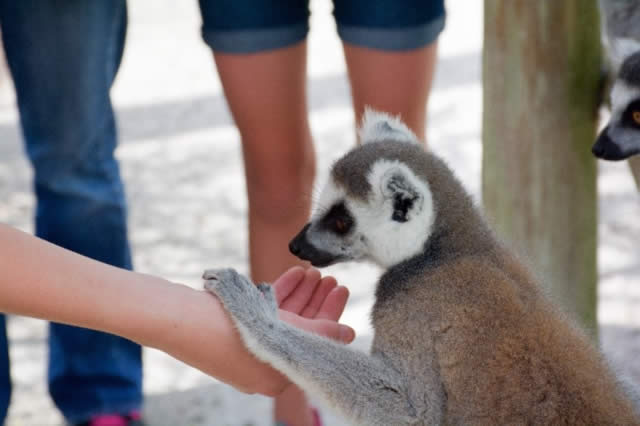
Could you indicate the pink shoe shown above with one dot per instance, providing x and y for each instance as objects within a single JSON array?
[
  {"x": 132, "y": 419},
  {"x": 317, "y": 420}
]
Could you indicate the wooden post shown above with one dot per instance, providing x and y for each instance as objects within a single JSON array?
[{"x": 541, "y": 67}]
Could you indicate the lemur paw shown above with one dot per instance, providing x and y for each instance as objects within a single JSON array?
[{"x": 246, "y": 302}]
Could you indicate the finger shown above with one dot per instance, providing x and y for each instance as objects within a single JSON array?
[
  {"x": 333, "y": 330},
  {"x": 328, "y": 328},
  {"x": 319, "y": 295},
  {"x": 334, "y": 304},
  {"x": 299, "y": 298},
  {"x": 288, "y": 282}
]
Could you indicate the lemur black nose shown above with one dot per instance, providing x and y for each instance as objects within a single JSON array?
[
  {"x": 295, "y": 246},
  {"x": 597, "y": 150}
]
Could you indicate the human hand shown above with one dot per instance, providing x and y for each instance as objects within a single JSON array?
[
  {"x": 312, "y": 302},
  {"x": 300, "y": 297}
]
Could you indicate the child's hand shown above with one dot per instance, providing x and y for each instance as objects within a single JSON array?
[
  {"x": 305, "y": 300},
  {"x": 316, "y": 301}
]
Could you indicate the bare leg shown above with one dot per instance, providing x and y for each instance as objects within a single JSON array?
[
  {"x": 397, "y": 82},
  {"x": 266, "y": 94}
]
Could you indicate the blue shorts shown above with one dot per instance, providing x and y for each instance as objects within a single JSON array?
[{"x": 237, "y": 26}]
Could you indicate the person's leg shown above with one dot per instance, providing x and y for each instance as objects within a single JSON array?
[
  {"x": 63, "y": 56},
  {"x": 266, "y": 95},
  {"x": 260, "y": 54},
  {"x": 394, "y": 82},
  {"x": 390, "y": 49}
]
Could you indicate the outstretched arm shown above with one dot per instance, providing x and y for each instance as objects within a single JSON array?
[{"x": 42, "y": 280}]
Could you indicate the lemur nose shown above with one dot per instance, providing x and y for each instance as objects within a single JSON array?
[
  {"x": 296, "y": 245},
  {"x": 294, "y": 248},
  {"x": 597, "y": 150}
]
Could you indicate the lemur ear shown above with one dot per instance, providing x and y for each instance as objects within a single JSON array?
[
  {"x": 398, "y": 186},
  {"x": 379, "y": 126}
]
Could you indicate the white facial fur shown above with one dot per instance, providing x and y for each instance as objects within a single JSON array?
[
  {"x": 621, "y": 95},
  {"x": 391, "y": 242},
  {"x": 376, "y": 236}
]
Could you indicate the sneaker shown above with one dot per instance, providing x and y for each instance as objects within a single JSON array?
[{"x": 132, "y": 419}]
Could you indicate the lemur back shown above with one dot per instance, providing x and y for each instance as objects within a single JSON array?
[{"x": 503, "y": 353}]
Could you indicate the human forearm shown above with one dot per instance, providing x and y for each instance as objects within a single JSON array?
[{"x": 42, "y": 280}]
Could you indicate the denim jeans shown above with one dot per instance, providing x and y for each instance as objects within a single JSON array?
[
  {"x": 250, "y": 26},
  {"x": 63, "y": 56}
]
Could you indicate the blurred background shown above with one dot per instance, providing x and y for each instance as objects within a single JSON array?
[{"x": 180, "y": 157}]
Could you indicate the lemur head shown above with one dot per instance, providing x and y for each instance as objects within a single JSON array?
[
  {"x": 377, "y": 204},
  {"x": 620, "y": 139}
]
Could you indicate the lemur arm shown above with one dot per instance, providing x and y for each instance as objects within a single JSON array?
[{"x": 363, "y": 388}]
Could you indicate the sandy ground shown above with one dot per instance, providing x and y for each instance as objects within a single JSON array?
[{"x": 180, "y": 157}]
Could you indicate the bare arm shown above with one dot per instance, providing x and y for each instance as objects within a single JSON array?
[{"x": 41, "y": 280}]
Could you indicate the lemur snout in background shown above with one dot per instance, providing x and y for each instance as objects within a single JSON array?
[
  {"x": 620, "y": 139},
  {"x": 463, "y": 333}
]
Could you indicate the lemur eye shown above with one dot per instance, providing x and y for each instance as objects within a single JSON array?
[
  {"x": 341, "y": 226},
  {"x": 636, "y": 116},
  {"x": 338, "y": 220}
]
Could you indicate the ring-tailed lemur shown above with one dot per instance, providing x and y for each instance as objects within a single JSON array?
[
  {"x": 463, "y": 334},
  {"x": 620, "y": 139}
]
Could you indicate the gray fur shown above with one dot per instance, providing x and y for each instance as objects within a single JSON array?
[
  {"x": 620, "y": 18},
  {"x": 368, "y": 390},
  {"x": 463, "y": 334},
  {"x": 630, "y": 70}
]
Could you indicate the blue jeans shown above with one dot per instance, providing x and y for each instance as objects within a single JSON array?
[{"x": 63, "y": 56}]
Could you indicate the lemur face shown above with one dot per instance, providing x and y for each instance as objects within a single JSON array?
[
  {"x": 620, "y": 139},
  {"x": 332, "y": 235},
  {"x": 387, "y": 224},
  {"x": 374, "y": 207}
]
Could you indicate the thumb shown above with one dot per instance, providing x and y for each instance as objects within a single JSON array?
[{"x": 327, "y": 328}]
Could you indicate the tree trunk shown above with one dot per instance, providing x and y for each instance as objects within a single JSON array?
[{"x": 541, "y": 67}]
